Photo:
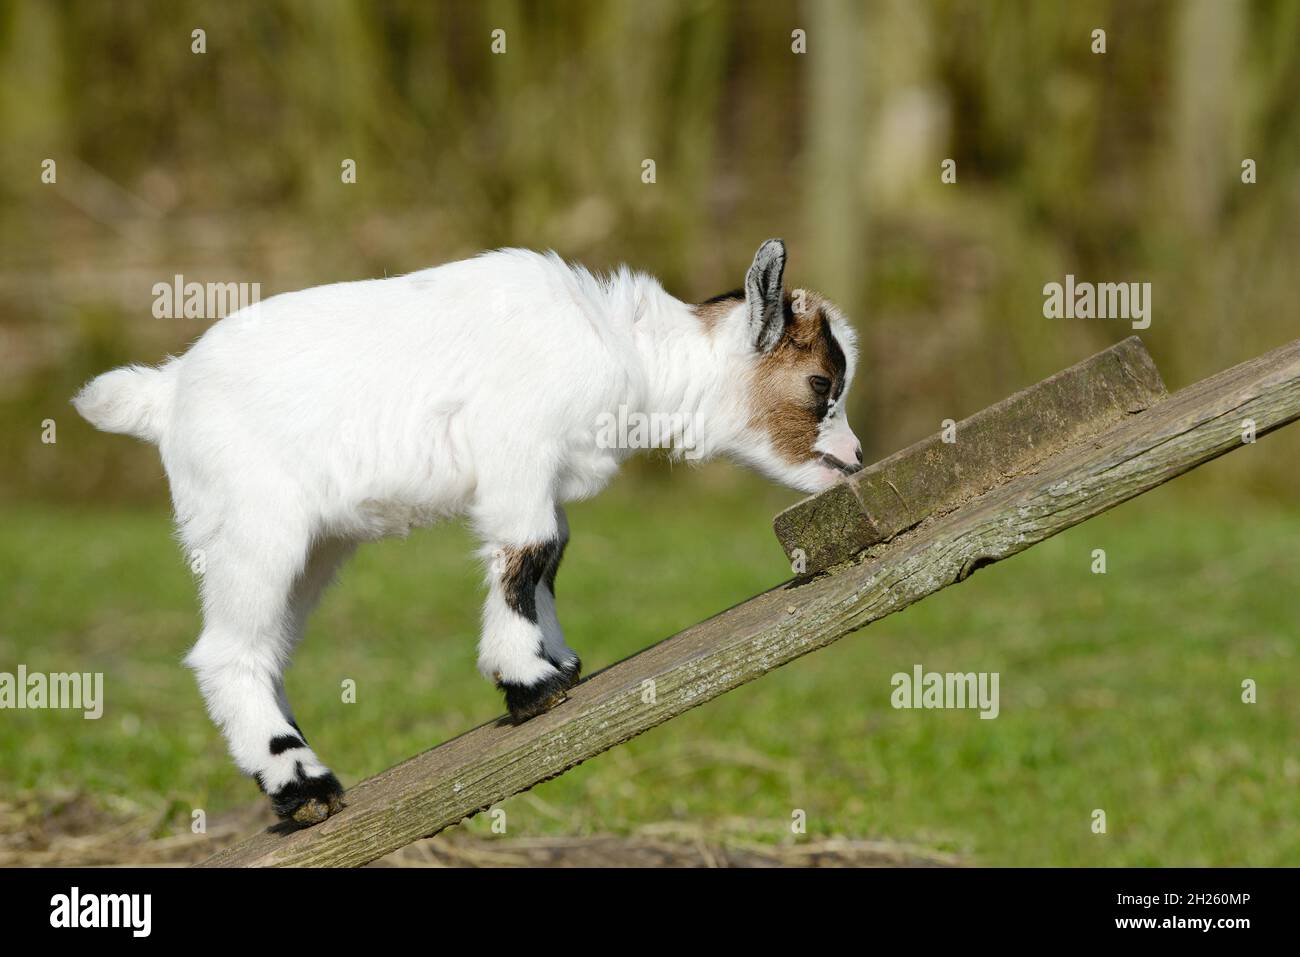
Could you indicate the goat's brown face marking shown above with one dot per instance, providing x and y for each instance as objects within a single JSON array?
[{"x": 784, "y": 403}]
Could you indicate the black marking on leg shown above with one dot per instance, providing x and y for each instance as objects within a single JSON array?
[
  {"x": 522, "y": 568},
  {"x": 286, "y": 742},
  {"x": 553, "y": 566},
  {"x": 294, "y": 725},
  {"x": 528, "y": 701},
  {"x": 308, "y": 800}
]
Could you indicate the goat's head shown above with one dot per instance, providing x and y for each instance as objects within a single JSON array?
[{"x": 797, "y": 355}]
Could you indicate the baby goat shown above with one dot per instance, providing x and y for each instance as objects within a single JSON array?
[{"x": 302, "y": 425}]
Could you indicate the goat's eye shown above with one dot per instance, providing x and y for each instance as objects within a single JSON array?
[{"x": 820, "y": 384}]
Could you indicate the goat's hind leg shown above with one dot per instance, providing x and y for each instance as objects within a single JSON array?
[
  {"x": 240, "y": 657},
  {"x": 554, "y": 647}
]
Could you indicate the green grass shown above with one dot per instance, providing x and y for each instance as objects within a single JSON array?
[{"x": 1118, "y": 691}]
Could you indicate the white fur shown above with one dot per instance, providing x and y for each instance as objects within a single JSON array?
[{"x": 301, "y": 425}]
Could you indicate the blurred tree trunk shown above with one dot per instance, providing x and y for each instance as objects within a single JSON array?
[
  {"x": 1206, "y": 134},
  {"x": 1208, "y": 150},
  {"x": 31, "y": 102},
  {"x": 835, "y": 205}
]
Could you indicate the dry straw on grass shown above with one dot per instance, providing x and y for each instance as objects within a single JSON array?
[{"x": 76, "y": 830}]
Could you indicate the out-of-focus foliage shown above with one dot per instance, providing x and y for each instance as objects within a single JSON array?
[{"x": 225, "y": 166}]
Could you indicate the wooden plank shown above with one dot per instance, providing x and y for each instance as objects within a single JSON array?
[
  {"x": 990, "y": 447},
  {"x": 444, "y": 785}
]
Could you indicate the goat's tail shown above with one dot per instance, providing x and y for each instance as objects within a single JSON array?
[{"x": 133, "y": 400}]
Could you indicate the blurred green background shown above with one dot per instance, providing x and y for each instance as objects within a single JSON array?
[{"x": 1119, "y": 691}]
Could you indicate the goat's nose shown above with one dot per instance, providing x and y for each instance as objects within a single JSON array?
[{"x": 858, "y": 453}]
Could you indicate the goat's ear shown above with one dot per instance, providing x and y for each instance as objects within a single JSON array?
[{"x": 764, "y": 297}]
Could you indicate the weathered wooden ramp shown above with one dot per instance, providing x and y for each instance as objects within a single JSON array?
[{"x": 1099, "y": 470}]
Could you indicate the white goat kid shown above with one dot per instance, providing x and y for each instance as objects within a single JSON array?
[{"x": 302, "y": 425}]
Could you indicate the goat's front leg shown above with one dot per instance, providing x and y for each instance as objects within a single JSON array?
[{"x": 522, "y": 545}]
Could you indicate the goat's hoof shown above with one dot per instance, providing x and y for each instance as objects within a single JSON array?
[
  {"x": 313, "y": 811},
  {"x": 528, "y": 701},
  {"x": 571, "y": 670},
  {"x": 309, "y": 801}
]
